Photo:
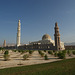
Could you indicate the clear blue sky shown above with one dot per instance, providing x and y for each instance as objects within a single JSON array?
[{"x": 37, "y": 17}]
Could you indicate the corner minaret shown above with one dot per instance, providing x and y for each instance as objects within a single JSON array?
[
  {"x": 18, "y": 33},
  {"x": 57, "y": 37}
]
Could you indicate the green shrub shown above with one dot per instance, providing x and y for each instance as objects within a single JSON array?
[
  {"x": 27, "y": 50},
  {"x": 55, "y": 54},
  {"x": 44, "y": 50},
  {"x": 54, "y": 50},
  {"x": 61, "y": 55},
  {"x": 39, "y": 51},
  {"x": 25, "y": 56},
  {"x": 19, "y": 51},
  {"x": 15, "y": 50},
  {"x": 23, "y": 51},
  {"x": 73, "y": 52},
  {"x": 6, "y": 52},
  {"x": 42, "y": 54},
  {"x": 64, "y": 51},
  {"x": 30, "y": 51},
  {"x": 69, "y": 52},
  {"x": 50, "y": 52},
  {"x": 46, "y": 57},
  {"x": 6, "y": 57}
]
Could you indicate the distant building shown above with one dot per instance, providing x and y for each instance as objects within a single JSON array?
[{"x": 70, "y": 47}]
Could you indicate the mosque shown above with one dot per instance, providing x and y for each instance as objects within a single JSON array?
[{"x": 46, "y": 43}]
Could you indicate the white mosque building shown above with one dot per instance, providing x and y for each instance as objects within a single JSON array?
[
  {"x": 45, "y": 43},
  {"x": 46, "y": 40}
]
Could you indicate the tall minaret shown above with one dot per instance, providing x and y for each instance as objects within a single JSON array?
[
  {"x": 18, "y": 33},
  {"x": 57, "y": 37},
  {"x": 4, "y": 44}
]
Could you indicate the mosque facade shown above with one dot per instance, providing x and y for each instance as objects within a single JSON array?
[{"x": 46, "y": 43}]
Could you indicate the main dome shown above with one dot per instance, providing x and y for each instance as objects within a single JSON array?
[{"x": 46, "y": 37}]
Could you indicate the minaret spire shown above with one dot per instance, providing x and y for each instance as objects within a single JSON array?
[
  {"x": 4, "y": 44},
  {"x": 18, "y": 33},
  {"x": 57, "y": 37}
]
